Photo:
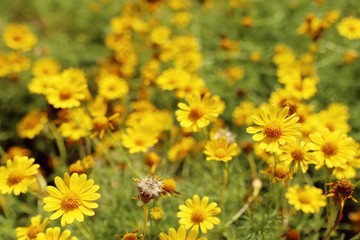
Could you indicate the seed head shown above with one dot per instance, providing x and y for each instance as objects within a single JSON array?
[{"x": 149, "y": 188}]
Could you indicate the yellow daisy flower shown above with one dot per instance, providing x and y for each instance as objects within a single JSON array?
[
  {"x": 139, "y": 139},
  {"x": 181, "y": 149},
  {"x": 242, "y": 113},
  {"x": 31, "y": 232},
  {"x": 221, "y": 150},
  {"x": 32, "y": 124},
  {"x": 18, "y": 62},
  {"x": 160, "y": 35},
  {"x": 72, "y": 198},
  {"x": 181, "y": 234},
  {"x": 157, "y": 213},
  {"x": 69, "y": 90},
  {"x": 4, "y": 65},
  {"x": 308, "y": 199},
  {"x": 18, "y": 175},
  {"x": 41, "y": 84},
  {"x": 19, "y": 37},
  {"x": 349, "y": 28},
  {"x": 198, "y": 213},
  {"x": 199, "y": 112},
  {"x": 45, "y": 67},
  {"x": 181, "y": 19},
  {"x": 55, "y": 234},
  {"x": 112, "y": 87},
  {"x": 173, "y": 78},
  {"x": 297, "y": 154},
  {"x": 275, "y": 128},
  {"x": 332, "y": 149}
]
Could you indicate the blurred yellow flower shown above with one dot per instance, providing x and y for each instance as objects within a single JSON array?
[
  {"x": 181, "y": 19},
  {"x": 242, "y": 113},
  {"x": 31, "y": 232},
  {"x": 45, "y": 67},
  {"x": 4, "y": 65},
  {"x": 181, "y": 149},
  {"x": 72, "y": 198},
  {"x": 308, "y": 199},
  {"x": 69, "y": 90},
  {"x": 18, "y": 175},
  {"x": 160, "y": 35},
  {"x": 18, "y": 62},
  {"x": 139, "y": 139},
  {"x": 19, "y": 37},
  {"x": 221, "y": 150},
  {"x": 199, "y": 213},
  {"x": 172, "y": 78},
  {"x": 112, "y": 87},
  {"x": 55, "y": 234},
  {"x": 157, "y": 213},
  {"x": 32, "y": 124},
  {"x": 181, "y": 234},
  {"x": 276, "y": 127},
  {"x": 349, "y": 28}
]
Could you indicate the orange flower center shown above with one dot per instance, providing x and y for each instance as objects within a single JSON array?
[
  {"x": 329, "y": 149},
  {"x": 65, "y": 94},
  {"x": 273, "y": 130},
  {"x": 195, "y": 114},
  {"x": 297, "y": 155},
  {"x": 16, "y": 38},
  {"x": 100, "y": 122},
  {"x": 139, "y": 142},
  {"x": 304, "y": 198},
  {"x": 33, "y": 232},
  {"x": 15, "y": 177},
  {"x": 198, "y": 216},
  {"x": 220, "y": 153},
  {"x": 70, "y": 201}
]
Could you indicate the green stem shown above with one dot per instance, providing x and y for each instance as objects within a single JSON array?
[
  {"x": 59, "y": 142},
  {"x": 146, "y": 215},
  {"x": 4, "y": 206},
  {"x": 250, "y": 158},
  {"x": 225, "y": 184},
  {"x": 275, "y": 162},
  {"x": 331, "y": 227},
  {"x": 84, "y": 230}
]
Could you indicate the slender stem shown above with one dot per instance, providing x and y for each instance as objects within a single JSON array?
[
  {"x": 275, "y": 162},
  {"x": 250, "y": 158},
  {"x": 339, "y": 214},
  {"x": 225, "y": 183},
  {"x": 59, "y": 142},
  {"x": 84, "y": 230},
  {"x": 146, "y": 215},
  {"x": 256, "y": 189},
  {"x": 241, "y": 211},
  {"x": 4, "y": 206}
]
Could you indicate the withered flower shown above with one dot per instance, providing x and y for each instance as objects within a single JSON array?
[{"x": 341, "y": 191}]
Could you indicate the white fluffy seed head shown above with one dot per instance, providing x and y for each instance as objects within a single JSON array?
[{"x": 149, "y": 188}]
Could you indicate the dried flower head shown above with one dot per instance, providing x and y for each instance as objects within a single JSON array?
[
  {"x": 130, "y": 236},
  {"x": 149, "y": 188},
  {"x": 341, "y": 191}
]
